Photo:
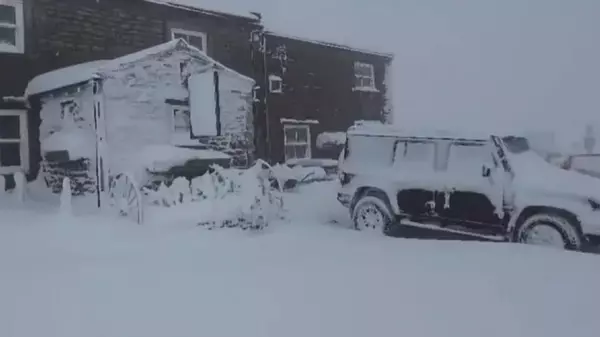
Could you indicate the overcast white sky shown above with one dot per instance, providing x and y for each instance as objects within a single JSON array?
[{"x": 465, "y": 62}]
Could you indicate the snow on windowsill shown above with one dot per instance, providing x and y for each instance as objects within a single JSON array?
[
  {"x": 365, "y": 89},
  {"x": 15, "y": 99},
  {"x": 10, "y": 48},
  {"x": 298, "y": 121}
]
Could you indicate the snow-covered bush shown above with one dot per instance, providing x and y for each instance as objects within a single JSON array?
[
  {"x": 238, "y": 198},
  {"x": 289, "y": 177}
]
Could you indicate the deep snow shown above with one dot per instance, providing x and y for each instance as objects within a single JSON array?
[{"x": 96, "y": 276}]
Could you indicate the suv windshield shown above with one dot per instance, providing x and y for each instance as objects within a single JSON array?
[{"x": 516, "y": 144}]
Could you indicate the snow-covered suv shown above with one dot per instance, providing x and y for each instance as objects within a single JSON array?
[{"x": 488, "y": 186}]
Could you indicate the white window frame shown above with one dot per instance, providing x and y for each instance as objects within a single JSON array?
[
  {"x": 19, "y": 28},
  {"x": 23, "y": 142},
  {"x": 177, "y": 136},
  {"x": 372, "y": 87},
  {"x": 272, "y": 80},
  {"x": 191, "y": 33},
  {"x": 308, "y": 142}
]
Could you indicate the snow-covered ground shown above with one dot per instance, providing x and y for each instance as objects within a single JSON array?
[{"x": 94, "y": 276}]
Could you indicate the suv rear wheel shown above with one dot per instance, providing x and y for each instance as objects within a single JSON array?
[
  {"x": 549, "y": 229},
  {"x": 370, "y": 213}
]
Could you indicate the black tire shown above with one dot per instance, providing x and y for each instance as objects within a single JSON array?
[
  {"x": 565, "y": 228},
  {"x": 372, "y": 205}
]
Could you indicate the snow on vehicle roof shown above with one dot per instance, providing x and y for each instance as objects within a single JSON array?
[
  {"x": 330, "y": 44},
  {"x": 83, "y": 72},
  {"x": 216, "y": 7},
  {"x": 371, "y": 128}
]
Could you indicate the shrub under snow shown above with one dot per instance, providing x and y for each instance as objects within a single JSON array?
[{"x": 238, "y": 198}]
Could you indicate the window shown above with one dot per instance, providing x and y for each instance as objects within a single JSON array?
[
  {"x": 14, "y": 147},
  {"x": 364, "y": 77},
  {"x": 370, "y": 151},
  {"x": 468, "y": 159},
  {"x": 414, "y": 155},
  {"x": 275, "y": 84},
  {"x": 11, "y": 26},
  {"x": 196, "y": 39},
  {"x": 182, "y": 126},
  {"x": 296, "y": 141}
]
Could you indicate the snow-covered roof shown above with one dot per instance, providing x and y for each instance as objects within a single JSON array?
[
  {"x": 217, "y": 7},
  {"x": 379, "y": 129},
  {"x": 83, "y": 72},
  {"x": 331, "y": 44},
  {"x": 63, "y": 77}
]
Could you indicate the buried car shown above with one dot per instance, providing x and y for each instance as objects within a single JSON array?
[{"x": 483, "y": 186}]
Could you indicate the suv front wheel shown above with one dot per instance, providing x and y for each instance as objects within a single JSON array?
[
  {"x": 549, "y": 229},
  {"x": 371, "y": 214}
]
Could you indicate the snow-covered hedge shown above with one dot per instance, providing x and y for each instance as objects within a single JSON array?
[{"x": 236, "y": 198}]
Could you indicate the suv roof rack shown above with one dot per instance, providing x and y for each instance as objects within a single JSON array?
[{"x": 376, "y": 128}]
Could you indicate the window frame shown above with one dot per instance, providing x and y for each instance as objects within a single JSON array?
[
  {"x": 308, "y": 142},
  {"x": 371, "y": 68},
  {"x": 272, "y": 79},
  {"x": 23, "y": 142},
  {"x": 18, "y": 26},
  {"x": 187, "y": 32},
  {"x": 433, "y": 161},
  {"x": 174, "y": 133},
  {"x": 454, "y": 144}
]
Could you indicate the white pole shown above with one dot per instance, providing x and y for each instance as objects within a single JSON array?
[{"x": 66, "y": 207}]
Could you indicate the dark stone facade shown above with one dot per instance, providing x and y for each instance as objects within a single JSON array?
[
  {"x": 74, "y": 31},
  {"x": 318, "y": 82},
  {"x": 61, "y": 33},
  {"x": 317, "y": 77}
]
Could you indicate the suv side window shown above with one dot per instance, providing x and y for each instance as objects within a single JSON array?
[
  {"x": 468, "y": 158},
  {"x": 415, "y": 154},
  {"x": 369, "y": 150}
]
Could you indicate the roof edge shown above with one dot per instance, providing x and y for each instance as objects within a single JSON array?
[
  {"x": 83, "y": 72},
  {"x": 389, "y": 56},
  {"x": 249, "y": 17}
]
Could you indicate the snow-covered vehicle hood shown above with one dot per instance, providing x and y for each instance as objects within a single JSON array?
[{"x": 536, "y": 176}]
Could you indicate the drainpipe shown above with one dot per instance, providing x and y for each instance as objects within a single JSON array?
[
  {"x": 101, "y": 155},
  {"x": 266, "y": 100}
]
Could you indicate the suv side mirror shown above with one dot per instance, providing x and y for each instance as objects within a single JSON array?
[{"x": 485, "y": 171}]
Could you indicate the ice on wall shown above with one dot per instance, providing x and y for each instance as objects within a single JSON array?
[
  {"x": 67, "y": 125},
  {"x": 135, "y": 90},
  {"x": 138, "y": 116}
]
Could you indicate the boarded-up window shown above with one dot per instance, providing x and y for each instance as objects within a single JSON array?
[{"x": 203, "y": 104}]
